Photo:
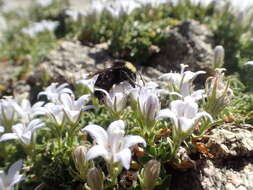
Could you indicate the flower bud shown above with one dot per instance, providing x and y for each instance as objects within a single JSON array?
[
  {"x": 218, "y": 57},
  {"x": 152, "y": 107},
  {"x": 218, "y": 93},
  {"x": 81, "y": 164},
  {"x": 95, "y": 179},
  {"x": 150, "y": 174}
]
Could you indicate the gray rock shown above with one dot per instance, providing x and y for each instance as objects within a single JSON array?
[
  {"x": 69, "y": 61},
  {"x": 231, "y": 140},
  {"x": 188, "y": 43}
]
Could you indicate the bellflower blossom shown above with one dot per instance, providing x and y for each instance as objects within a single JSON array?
[
  {"x": 88, "y": 83},
  {"x": 116, "y": 98},
  {"x": 72, "y": 108},
  {"x": 53, "y": 91},
  {"x": 22, "y": 131},
  {"x": 111, "y": 144},
  {"x": 7, "y": 182},
  {"x": 146, "y": 103},
  {"x": 182, "y": 82},
  {"x": 54, "y": 112},
  {"x": 184, "y": 115},
  {"x": 8, "y": 113},
  {"x": 28, "y": 111}
]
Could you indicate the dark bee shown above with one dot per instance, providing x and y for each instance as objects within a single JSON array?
[{"x": 119, "y": 72}]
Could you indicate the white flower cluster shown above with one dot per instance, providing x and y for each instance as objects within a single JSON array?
[
  {"x": 63, "y": 106},
  {"x": 17, "y": 119},
  {"x": 119, "y": 7},
  {"x": 38, "y": 27},
  {"x": 183, "y": 112}
]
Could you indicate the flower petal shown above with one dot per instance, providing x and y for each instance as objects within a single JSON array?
[
  {"x": 167, "y": 113},
  {"x": 18, "y": 129},
  {"x": 131, "y": 140},
  {"x": 204, "y": 114},
  {"x": 82, "y": 100},
  {"x": 97, "y": 133},
  {"x": 124, "y": 157},
  {"x": 66, "y": 100},
  {"x": 8, "y": 136},
  {"x": 116, "y": 125},
  {"x": 249, "y": 63},
  {"x": 97, "y": 151},
  {"x": 17, "y": 179},
  {"x": 1, "y": 129},
  {"x": 186, "y": 124},
  {"x": 35, "y": 124},
  {"x": 14, "y": 169}
]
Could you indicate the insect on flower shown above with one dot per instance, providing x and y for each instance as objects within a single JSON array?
[{"x": 119, "y": 72}]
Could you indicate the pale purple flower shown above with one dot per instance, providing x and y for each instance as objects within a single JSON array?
[
  {"x": 111, "y": 144},
  {"x": 7, "y": 182},
  {"x": 22, "y": 131}
]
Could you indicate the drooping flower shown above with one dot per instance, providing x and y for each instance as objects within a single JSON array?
[
  {"x": 53, "y": 91},
  {"x": 22, "y": 131},
  {"x": 112, "y": 145},
  {"x": 182, "y": 82},
  {"x": 7, "y": 182},
  {"x": 184, "y": 114},
  {"x": 73, "y": 108}
]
